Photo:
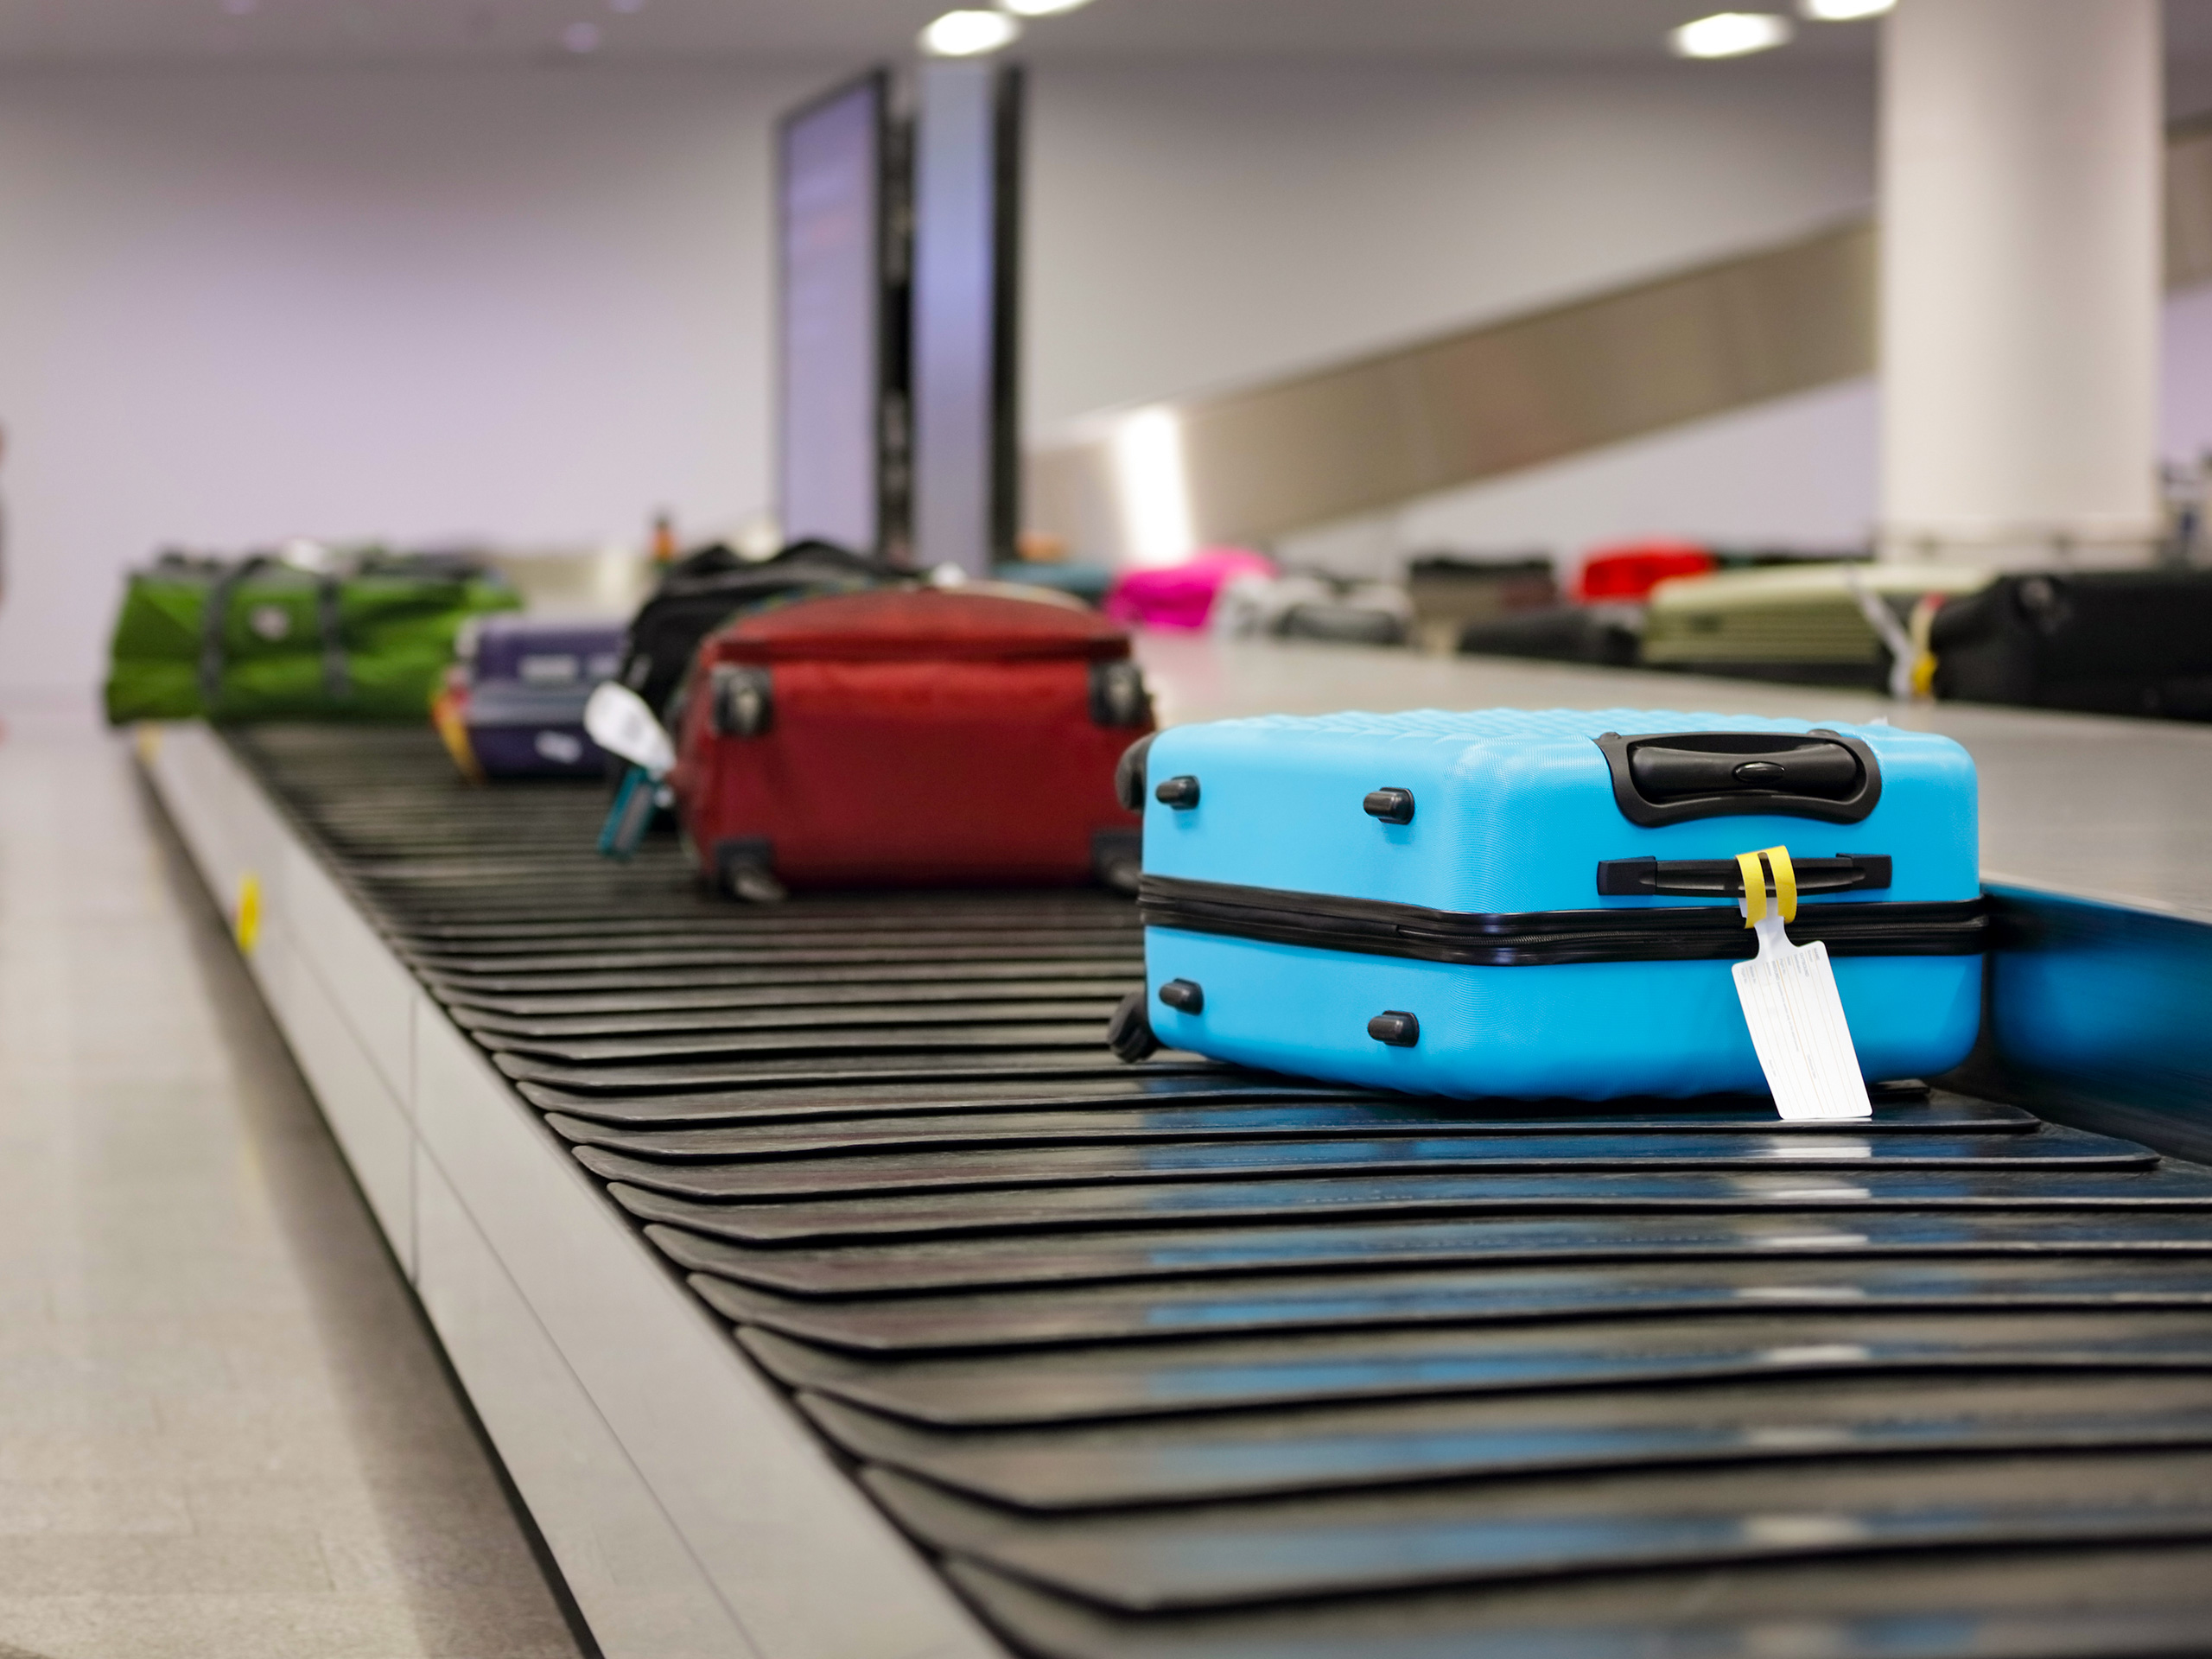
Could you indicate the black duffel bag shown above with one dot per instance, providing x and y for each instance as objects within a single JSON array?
[
  {"x": 699, "y": 593},
  {"x": 2115, "y": 642}
]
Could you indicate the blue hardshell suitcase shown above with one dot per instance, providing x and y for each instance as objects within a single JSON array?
[{"x": 1543, "y": 903}]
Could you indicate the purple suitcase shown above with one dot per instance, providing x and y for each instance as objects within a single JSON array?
[{"x": 528, "y": 680}]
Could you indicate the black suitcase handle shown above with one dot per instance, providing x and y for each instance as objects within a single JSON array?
[
  {"x": 1674, "y": 777},
  {"x": 1723, "y": 878}
]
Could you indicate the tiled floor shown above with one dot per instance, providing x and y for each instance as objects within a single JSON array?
[{"x": 224, "y": 1430}]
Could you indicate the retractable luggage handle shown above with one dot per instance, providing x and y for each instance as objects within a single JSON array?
[{"x": 1663, "y": 777}]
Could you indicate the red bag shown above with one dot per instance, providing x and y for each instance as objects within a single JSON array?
[
  {"x": 910, "y": 736},
  {"x": 1628, "y": 573}
]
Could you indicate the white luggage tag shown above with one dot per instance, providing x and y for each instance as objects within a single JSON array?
[
  {"x": 1790, "y": 1003},
  {"x": 620, "y": 723}
]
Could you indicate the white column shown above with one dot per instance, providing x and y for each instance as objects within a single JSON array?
[{"x": 2020, "y": 154}]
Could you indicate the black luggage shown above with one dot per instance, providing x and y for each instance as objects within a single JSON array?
[
  {"x": 701, "y": 592},
  {"x": 2115, "y": 642},
  {"x": 1608, "y": 635}
]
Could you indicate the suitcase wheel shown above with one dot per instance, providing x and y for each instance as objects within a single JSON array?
[
  {"x": 744, "y": 869},
  {"x": 742, "y": 703},
  {"x": 1396, "y": 1027},
  {"x": 1391, "y": 805},
  {"x": 1184, "y": 995},
  {"x": 1128, "y": 1033},
  {"x": 1128, "y": 773},
  {"x": 1117, "y": 858},
  {"x": 1181, "y": 794},
  {"x": 1117, "y": 695},
  {"x": 756, "y": 886}
]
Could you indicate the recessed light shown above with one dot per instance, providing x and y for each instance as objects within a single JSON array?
[
  {"x": 969, "y": 34},
  {"x": 1729, "y": 35},
  {"x": 1039, "y": 7},
  {"x": 581, "y": 38},
  {"x": 1842, "y": 11}
]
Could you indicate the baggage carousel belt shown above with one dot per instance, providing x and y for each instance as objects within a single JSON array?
[{"x": 1176, "y": 1360}]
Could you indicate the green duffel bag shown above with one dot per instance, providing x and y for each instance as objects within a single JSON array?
[{"x": 258, "y": 639}]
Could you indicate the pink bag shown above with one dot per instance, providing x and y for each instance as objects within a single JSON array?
[{"x": 1181, "y": 596}]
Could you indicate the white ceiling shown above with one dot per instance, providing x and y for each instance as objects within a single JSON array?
[
  {"x": 770, "y": 30},
  {"x": 826, "y": 31}
]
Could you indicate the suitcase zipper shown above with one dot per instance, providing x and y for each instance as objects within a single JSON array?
[{"x": 1546, "y": 938}]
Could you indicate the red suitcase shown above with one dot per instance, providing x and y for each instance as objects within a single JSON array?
[
  {"x": 1628, "y": 573},
  {"x": 918, "y": 736}
]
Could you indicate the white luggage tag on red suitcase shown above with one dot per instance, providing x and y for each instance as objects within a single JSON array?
[{"x": 1792, "y": 1008}]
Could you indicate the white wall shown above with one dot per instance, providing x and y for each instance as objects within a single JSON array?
[
  {"x": 238, "y": 306},
  {"x": 1193, "y": 228},
  {"x": 1198, "y": 228},
  {"x": 1798, "y": 472},
  {"x": 534, "y": 304}
]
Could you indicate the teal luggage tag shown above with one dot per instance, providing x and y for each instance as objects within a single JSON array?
[
  {"x": 620, "y": 723},
  {"x": 631, "y": 813}
]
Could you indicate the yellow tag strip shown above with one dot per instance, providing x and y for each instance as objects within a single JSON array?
[
  {"x": 1785, "y": 884},
  {"x": 452, "y": 724},
  {"x": 245, "y": 923},
  {"x": 1785, "y": 881},
  {"x": 1754, "y": 887}
]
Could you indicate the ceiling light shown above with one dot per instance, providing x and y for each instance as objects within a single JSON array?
[
  {"x": 1842, "y": 11},
  {"x": 1039, "y": 7},
  {"x": 626, "y": 8},
  {"x": 240, "y": 7},
  {"x": 969, "y": 34},
  {"x": 581, "y": 38},
  {"x": 1729, "y": 35}
]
